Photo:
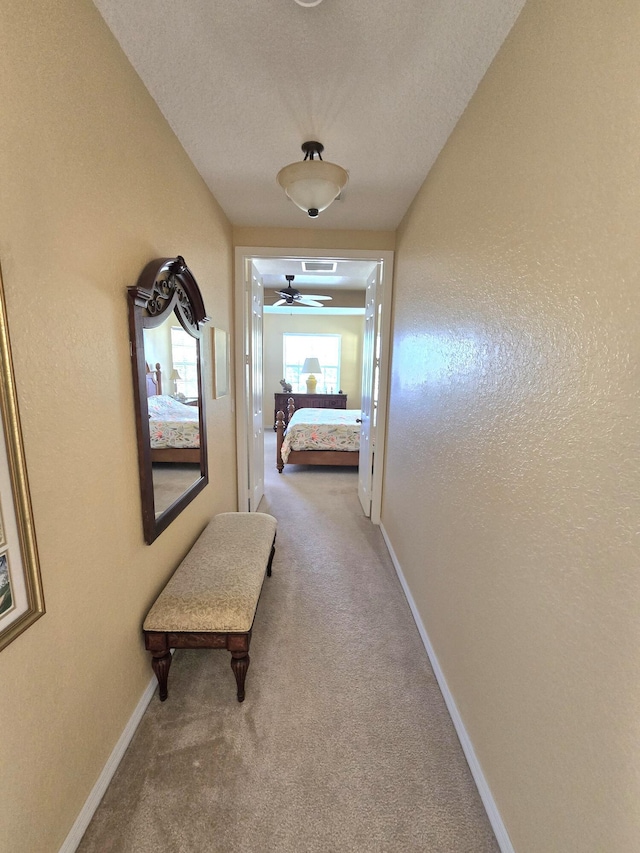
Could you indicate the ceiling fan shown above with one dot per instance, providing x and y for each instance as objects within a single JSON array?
[{"x": 291, "y": 296}]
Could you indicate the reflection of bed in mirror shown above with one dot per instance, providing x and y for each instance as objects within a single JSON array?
[{"x": 174, "y": 427}]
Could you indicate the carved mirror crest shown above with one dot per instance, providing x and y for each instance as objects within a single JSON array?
[{"x": 166, "y": 310}]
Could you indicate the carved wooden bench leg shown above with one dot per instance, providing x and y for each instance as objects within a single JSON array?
[
  {"x": 157, "y": 643},
  {"x": 238, "y": 645},
  {"x": 240, "y": 664},
  {"x": 161, "y": 661}
]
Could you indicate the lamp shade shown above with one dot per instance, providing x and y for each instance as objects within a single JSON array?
[
  {"x": 311, "y": 365},
  {"x": 175, "y": 374},
  {"x": 312, "y": 184}
]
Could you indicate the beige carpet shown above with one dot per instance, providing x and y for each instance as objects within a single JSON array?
[
  {"x": 343, "y": 742},
  {"x": 170, "y": 480}
]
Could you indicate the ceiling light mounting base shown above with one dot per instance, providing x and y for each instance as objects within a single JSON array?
[{"x": 311, "y": 149}]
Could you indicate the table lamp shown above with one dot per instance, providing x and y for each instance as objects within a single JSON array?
[
  {"x": 174, "y": 377},
  {"x": 311, "y": 366}
]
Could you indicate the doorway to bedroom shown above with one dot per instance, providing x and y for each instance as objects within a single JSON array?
[{"x": 290, "y": 302}]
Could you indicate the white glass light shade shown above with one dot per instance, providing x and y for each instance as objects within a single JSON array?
[{"x": 312, "y": 184}]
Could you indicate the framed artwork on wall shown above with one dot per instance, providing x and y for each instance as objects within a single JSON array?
[
  {"x": 21, "y": 599},
  {"x": 220, "y": 362}
]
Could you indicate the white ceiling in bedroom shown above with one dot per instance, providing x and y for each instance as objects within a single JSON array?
[{"x": 348, "y": 274}]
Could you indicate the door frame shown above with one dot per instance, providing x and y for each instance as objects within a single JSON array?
[{"x": 244, "y": 256}]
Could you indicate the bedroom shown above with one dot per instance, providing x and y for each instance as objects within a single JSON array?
[
  {"x": 331, "y": 307},
  {"x": 333, "y": 333}
]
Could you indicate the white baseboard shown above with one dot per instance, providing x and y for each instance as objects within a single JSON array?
[
  {"x": 497, "y": 824},
  {"x": 83, "y": 820}
]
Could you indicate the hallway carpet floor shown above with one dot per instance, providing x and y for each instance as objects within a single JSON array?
[{"x": 343, "y": 743}]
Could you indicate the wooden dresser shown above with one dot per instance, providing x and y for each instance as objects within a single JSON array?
[{"x": 307, "y": 401}]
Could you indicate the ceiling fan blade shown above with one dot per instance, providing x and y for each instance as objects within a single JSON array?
[
  {"x": 304, "y": 301},
  {"x": 315, "y": 296},
  {"x": 279, "y": 302}
]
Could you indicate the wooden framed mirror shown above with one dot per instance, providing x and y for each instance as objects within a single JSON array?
[{"x": 166, "y": 310}]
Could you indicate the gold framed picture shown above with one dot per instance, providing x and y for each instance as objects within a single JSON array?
[
  {"x": 21, "y": 599},
  {"x": 220, "y": 362}
]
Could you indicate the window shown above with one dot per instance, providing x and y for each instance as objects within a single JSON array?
[
  {"x": 326, "y": 348},
  {"x": 184, "y": 355}
]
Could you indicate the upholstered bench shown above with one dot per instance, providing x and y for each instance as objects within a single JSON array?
[{"x": 210, "y": 600}]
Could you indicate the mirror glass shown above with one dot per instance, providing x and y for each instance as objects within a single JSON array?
[
  {"x": 174, "y": 411},
  {"x": 168, "y": 382}
]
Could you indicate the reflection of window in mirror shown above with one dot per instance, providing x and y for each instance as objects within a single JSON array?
[
  {"x": 184, "y": 358},
  {"x": 157, "y": 348}
]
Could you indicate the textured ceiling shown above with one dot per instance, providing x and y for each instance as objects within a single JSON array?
[
  {"x": 348, "y": 274},
  {"x": 243, "y": 83}
]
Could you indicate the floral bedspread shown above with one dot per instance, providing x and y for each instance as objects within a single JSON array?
[
  {"x": 322, "y": 429},
  {"x": 172, "y": 424}
]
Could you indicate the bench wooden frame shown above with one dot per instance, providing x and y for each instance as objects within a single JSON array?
[{"x": 160, "y": 643}]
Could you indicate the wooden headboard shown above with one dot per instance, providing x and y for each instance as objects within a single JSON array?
[{"x": 154, "y": 380}]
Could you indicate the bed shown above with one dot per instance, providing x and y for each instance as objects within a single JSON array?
[
  {"x": 174, "y": 427},
  {"x": 318, "y": 437}
]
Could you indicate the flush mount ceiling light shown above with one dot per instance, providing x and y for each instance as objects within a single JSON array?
[
  {"x": 308, "y": 3},
  {"x": 312, "y": 184}
]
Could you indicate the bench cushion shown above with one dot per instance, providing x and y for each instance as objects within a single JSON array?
[{"x": 217, "y": 585}]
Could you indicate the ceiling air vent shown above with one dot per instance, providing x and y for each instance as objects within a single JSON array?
[{"x": 319, "y": 266}]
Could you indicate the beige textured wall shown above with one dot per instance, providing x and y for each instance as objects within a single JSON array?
[
  {"x": 312, "y": 238},
  {"x": 94, "y": 185},
  {"x": 513, "y": 474},
  {"x": 351, "y": 330}
]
